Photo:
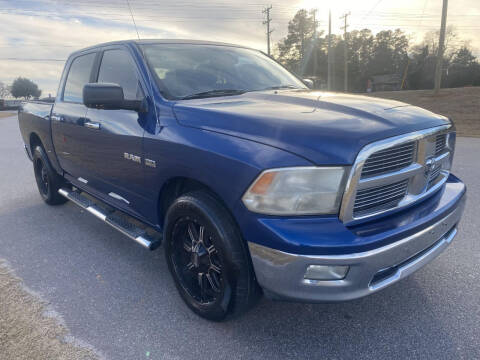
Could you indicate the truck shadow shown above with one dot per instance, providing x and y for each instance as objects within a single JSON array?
[{"x": 399, "y": 322}]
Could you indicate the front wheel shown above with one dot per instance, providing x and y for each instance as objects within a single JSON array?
[
  {"x": 48, "y": 181},
  {"x": 207, "y": 257}
]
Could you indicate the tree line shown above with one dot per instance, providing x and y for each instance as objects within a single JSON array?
[
  {"x": 304, "y": 51},
  {"x": 388, "y": 52},
  {"x": 21, "y": 87}
]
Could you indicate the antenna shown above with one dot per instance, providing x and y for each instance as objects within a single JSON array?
[
  {"x": 148, "y": 70},
  {"x": 133, "y": 19}
]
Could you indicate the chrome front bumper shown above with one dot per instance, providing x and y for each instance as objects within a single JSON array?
[{"x": 282, "y": 274}]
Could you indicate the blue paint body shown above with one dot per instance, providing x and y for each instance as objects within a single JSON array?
[{"x": 224, "y": 143}]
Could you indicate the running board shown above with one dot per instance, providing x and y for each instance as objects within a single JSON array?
[{"x": 118, "y": 222}]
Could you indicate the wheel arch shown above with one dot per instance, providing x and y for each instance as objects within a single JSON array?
[
  {"x": 34, "y": 140},
  {"x": 177, "y": 186}
]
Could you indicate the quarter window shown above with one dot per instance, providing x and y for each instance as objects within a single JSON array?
[
  {"x": 77, "y": 77},
  {"x": 117, "y": 67}
]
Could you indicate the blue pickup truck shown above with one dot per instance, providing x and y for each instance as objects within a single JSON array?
[{"x": 252, "y": 182}]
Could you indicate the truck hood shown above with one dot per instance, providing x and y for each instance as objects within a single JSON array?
[{"x": 325, "y": 128}]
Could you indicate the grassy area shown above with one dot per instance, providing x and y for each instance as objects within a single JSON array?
[
  {"x": 4, "y": 114},
  {"x": 462, "y": 105},
  {"x": 25, "y": 332}
]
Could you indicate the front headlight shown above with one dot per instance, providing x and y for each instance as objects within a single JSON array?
[{"x": 297, "y": 191}]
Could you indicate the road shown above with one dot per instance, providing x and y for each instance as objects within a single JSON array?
[{"x": 121, "y": 300}]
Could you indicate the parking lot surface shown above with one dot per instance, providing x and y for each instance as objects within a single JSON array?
[{"x": 121, "y": 299}]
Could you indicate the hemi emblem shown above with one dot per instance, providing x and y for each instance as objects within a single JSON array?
[{"x": 150, "y": 163}]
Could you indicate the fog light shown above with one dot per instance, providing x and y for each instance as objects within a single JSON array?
[{"x": 325, "y": 272}]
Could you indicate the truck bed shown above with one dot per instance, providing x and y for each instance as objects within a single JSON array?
[{"x": 34, "y": 118}]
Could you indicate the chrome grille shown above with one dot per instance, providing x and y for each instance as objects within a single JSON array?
[
  {"x": 395, "y": 172},
  {"x": 378, "y": 197},
  {"x": 440, "y": 143},
  {"x": 388, "y": 160}
]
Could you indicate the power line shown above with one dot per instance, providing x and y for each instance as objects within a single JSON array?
[
  {"x": 30, "y": 59},
  {"x": 370, "y": 11},
  {"x": 423, "y": 11},
  {"x": 169, "y": 15},
  {"x": 39, "y": 45},
  {"x": 169, "y": 11}
]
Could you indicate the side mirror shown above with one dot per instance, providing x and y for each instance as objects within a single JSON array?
[
  {"x": 109, "y": 96},
  {"x": 309, "y": 83}
]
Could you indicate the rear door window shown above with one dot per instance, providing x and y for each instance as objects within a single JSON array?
[{"x": 77, "y": 77}]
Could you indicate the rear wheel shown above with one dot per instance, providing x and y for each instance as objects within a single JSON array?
[
  {"x": 48, "y": 181},
  {"x": 208, "y": 258}
]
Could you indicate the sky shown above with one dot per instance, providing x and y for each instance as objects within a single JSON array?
[{"x": 36, "y": 36}]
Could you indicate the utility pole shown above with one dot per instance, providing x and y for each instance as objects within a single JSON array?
[
  {"x": 267, "y": 22},
  {"x": 441, "y": 49},
  {"x": 301, "y": 69},
  {"x": 314, "y": 13},
  {"x": 330, "y": 55},
  {"x": 345, "y": 54}
]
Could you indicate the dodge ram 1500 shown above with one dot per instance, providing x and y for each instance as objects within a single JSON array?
[{"x": 252, "y": 181}]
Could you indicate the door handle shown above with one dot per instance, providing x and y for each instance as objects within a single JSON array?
[
  {"x": 57, "y": 118},
  {"x": 92, "y": 125}
]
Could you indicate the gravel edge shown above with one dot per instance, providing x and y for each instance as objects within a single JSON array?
[{"x": 30, "y": 328}]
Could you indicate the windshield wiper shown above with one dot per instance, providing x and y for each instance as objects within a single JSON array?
[
  {"x": 213, "y": 93},
  {"x": 278, "y": 87}
]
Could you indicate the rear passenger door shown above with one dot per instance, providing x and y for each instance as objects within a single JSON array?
[
  {"x": 118, "y": 149},
  {"x": 71, "y": 138}
]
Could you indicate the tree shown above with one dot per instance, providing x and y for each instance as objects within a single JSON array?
[
  {"x": 431, "y": 40},
  {"x": 464, "y": 69},
  {"x": 421, "y": 70},
  {"x": 461, "y": 68},
  {"x": 360, "y": 52},
  {"x": 23, "y": 87},
  {"x": 386, "y": 53},
  {"x": 293, "y": 50},
  {"x": 464, "y": 57},
  {"x": 4, "y": 90},
  {"x": 389, "y": 55}
]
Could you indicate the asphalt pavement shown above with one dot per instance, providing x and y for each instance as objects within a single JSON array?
[{"x": 120, "y": 298}]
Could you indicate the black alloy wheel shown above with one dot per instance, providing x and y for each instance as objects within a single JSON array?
[
  {"x": 208, "y": 258},
  {"x": 196, "y": 260}
]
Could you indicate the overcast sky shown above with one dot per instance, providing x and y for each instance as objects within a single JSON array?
[{"x": 37, "y": 35}]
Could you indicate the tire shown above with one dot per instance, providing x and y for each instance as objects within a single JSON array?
[
  {"x": 48, "y": 181},
  {"x": 211, "y": 268}
]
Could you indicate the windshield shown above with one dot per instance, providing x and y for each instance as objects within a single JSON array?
[{"x": 193, "y": 71}]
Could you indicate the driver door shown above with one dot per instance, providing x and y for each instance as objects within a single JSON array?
[{"x": 118, "y": 151}]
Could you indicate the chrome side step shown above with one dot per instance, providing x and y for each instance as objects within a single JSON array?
[{"x": 115, "y": 220}]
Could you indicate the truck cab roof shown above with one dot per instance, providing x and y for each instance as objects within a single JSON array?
[{"x": 158, "y": 41}]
